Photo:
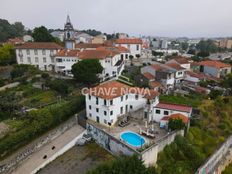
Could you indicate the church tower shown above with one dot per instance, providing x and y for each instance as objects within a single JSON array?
[{"x": 69, "y": 35}]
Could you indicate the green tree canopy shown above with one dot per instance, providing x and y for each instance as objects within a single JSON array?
[
  {"x": 207, "y": 46},
  {"x": 7, "y": 54},
  {"x": 123, "y": 165},
  {"x": 86, "y": 71},
  {"x": 175, "y": 124},
  {"x": 41, "y": 34},
  {"x": 8, "y": 30}
]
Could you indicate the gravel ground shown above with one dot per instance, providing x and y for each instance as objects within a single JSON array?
[{"x": 78, "y": 160}]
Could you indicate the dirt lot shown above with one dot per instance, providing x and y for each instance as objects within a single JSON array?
[
  {"x": 3, "y": 129},
  {"x": 78, "y": 160}
]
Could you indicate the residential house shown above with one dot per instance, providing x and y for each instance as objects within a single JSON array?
[
  {"x": 215, "y": 68},
  {"x": 163, "y": 74},
  {"x": 64, "y": 60},
  {"x": 99, "y": 39},
  {"x": 107, "y": 102},
  {"x": 81, "y": 37},
  {"x": 179, "y": 71},
  {"x": 132, "y": 44},
  {"x": 110, "y": 101},
  {"x": 39, "y": 54},
  {"x": 166, "y": 109},
  {"x": 182, "y": 61}
]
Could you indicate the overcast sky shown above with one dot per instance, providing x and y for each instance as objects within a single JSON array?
[{"x": 192, "y": 18}]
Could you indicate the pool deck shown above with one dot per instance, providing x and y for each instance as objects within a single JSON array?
[{"x": 134, "y": 126}]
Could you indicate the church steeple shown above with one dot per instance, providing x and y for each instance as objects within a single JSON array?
[{"x": 69, "y": 34}]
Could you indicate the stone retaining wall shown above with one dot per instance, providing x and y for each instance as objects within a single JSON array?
[{"x": 10, "y": 165}]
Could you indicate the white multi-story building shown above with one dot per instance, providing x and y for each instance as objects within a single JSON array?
[
  {"x": 39, "y": 54},
  {"x": 108, "y": 101},
  {"x": 133, "y": 45},
  {"x": 112, "y": 60}
]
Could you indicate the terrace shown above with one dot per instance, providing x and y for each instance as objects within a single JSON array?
[{"x": 151, "y": 132}]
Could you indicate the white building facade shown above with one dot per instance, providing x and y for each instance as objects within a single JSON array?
[
  {"x": 133, "y": 45},
  {"x": 39, "y": 54}
]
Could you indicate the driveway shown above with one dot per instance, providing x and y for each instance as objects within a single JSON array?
[{"x": 38, "y": 158}]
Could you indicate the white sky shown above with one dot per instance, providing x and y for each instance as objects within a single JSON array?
[{"x": 173, "y": 18}]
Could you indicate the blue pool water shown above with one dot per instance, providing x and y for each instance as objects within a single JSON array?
[{"x": 132, "y": 139}]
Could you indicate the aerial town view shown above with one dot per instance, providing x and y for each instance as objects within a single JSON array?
[{"x": 116, "y": 87}]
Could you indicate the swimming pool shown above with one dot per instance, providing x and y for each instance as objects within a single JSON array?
[{"x": 132, "y": 138}]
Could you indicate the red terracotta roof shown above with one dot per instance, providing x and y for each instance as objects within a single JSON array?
[
  {"x": 179, "y": 116},
  {"x": 165, "y": 118},
  {"x": 88, "y": 45},
  {"x": 155, "y": 84},
  {"x": 128, "y": 41},
  {"x": 123, "y": 49},
  {"x": 39, "y": 45},
  {"x": 176, "y": 107},
  {"x": 96, "y": 54},
  {"x": 175, "y": 66},
  {"x": 114, "y": 89},
  {"x": 148, "y": 75},
  {"x": 67, "y": 53},
  {"x": 181, "y": 60},
  {"x": 215, "y": 64}
]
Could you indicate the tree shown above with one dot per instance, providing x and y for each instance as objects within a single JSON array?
[
  {"x": 137, "y": 56},
  {"x": 7, "y": 54},
  {"x": 41, "y": 34},
  {"x": 86, "y": 71},
  {"x": 215, "y": 93},
  {"x": 175, "y": 124},
  {"x": 58, "y": 85},
  {"x": 8, "y": 30},
  {"x": 207, "y": 46},
  {"x": 203, "y": 54},
  {"x": 184, "y": 46},
  {"x": 123, "y": 165}
]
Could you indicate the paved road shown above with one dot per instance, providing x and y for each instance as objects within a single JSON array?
[{"x": 36, "y": 159}]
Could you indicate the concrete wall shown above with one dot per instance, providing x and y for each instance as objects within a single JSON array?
[
  {"x": 117, "y": 147},
  {"x": 212, "y": 164},
  {"x": 59, "y": 153},
  {"x": 108, "y": 142},
  {"x": 150, "y": 155}
]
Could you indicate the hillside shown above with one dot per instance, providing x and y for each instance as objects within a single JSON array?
[{"x": 185, "y": 155}]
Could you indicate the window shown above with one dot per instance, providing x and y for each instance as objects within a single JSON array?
[
  {"x": 126, "y": 97},
  {"x": 131, "y": 107},
  {"x": 121, "y": 98},
  {"x": 166, "y": 113},
  {"x": 157, "y": 111},
  {"x": 111, "y": 102},
  {"x": 89, "y": 97},
  {"x": 97, "y": 100},
  {"x": 111, "y": 112},
  {"x": 121, "y": 110},
  {"x": 36, "y": 52},
  {"x": 136, "y": 97},
  {"x": 44, "y": 60},
  {"x": 28, "y": 52},
  {"x": 43, "y": 52},
  {"x": 58, "y": 60},
  {"x": 90, "y": 115},
  {"x": 90, "y": 107},
  {"x": 105, "y": 113},
  {"x": 126, "y": 56},
  {"x": 105, "y": 121},
  {"x": 97, "y": 110},
  {"x": 29, "y": 60},
  {"x": 36, "y": 59},
  {"x": 179, "y": 73},
  {"x": 105, "y": 103},
  {"x": 137, "y": 47},
  {"x": 45, "y": 67}
]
